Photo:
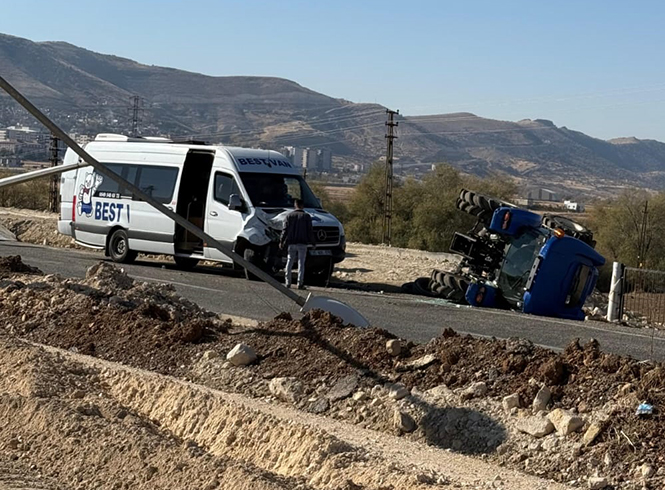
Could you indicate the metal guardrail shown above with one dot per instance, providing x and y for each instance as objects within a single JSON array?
[{"x": 643, "y": 296}]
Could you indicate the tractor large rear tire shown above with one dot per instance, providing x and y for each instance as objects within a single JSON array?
[
  {"x": 570, "y": 228},
  {"x": 482, "y": 207},
  {"x": 449, "y": 286}
]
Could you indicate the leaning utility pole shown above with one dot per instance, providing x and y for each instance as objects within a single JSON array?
[
  {"x": 53, "y": 183},
  {"x": 136, "y": 115},
  {"x": 388, "y": 202},
  {"x": 333, "y": 306}
]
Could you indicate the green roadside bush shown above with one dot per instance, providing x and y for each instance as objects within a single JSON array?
[
  {"x": 28, "y": 195},
  {"x": 424, "y": 212}
]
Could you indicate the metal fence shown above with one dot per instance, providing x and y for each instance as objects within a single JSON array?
[{"x": 643, "y": 298}]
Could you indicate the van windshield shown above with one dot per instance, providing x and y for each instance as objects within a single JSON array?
[{"x": 277, "y": 191}]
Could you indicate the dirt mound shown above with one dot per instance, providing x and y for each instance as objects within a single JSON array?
[
  {"x": 35, "y": 227},
  {"x": 14, "y": 264},
  {"x": 434, "y": 393},
  {"x": 109, "y": 315}
]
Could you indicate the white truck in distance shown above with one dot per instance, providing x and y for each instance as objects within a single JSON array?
[{"x": 239, "y": 196}]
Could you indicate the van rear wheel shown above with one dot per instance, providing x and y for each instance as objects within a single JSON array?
[{"x": 119, "y": 248}]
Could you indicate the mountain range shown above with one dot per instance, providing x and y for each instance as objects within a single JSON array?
[{"x": 88, "y": 92}]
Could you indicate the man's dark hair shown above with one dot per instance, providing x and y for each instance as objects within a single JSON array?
[{"x": 299, "y": 203}]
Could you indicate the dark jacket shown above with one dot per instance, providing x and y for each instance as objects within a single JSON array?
[{"x": 298, "y": 229}]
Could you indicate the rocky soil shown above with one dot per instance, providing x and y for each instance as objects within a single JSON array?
[
  {"x": 387, "y": 268},
  {"x": 568, "y": 416}
]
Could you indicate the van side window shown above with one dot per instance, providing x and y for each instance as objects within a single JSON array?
[
  {"x": 129, "y": 173},
  {"x": 157, "y": 182},
  {"x": 225, "y": 185},
  {"x": 108, "y": 186}
]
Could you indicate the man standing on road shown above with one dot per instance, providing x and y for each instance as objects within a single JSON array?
[{"x": 296, "y": 235}]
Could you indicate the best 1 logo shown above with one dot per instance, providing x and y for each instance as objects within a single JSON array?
[{"x": 110, "y": 211}]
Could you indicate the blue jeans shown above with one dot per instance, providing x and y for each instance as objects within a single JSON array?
[{"x": 301, "y": 252}]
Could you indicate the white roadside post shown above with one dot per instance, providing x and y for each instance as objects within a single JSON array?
[
  {"x": 342, "y": 310},
  {"x": 616, "y": 289}
]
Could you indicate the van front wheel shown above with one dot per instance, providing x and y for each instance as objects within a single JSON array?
[{"x": 119, "y": 248}]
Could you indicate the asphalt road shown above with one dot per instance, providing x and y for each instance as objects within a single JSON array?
[{"x": 410, "y": 317}]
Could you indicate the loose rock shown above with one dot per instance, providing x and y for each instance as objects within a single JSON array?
[
  {"x": 476, "y": 390},
  {"x": 565, "y": 422},
  {"x": 592, "y": 433},
  {"x": 403, "y": 421},
  {"x": 422, "y": 362},
  {"x": 511, "y": 401},
  {"x": 319, "y": 406},
  {"x": 647, "y": 471},
  {"x": 535, "y": 425},
  {"x": 287, "y": 389},
  {"x": 394, "y": 347},
  {"x": 343, "y": 388},
  {"x": 542, "y": 399},
  {"x": 210, "y": 354},
  {"x": 597, "y": 483},
  {"x": 397, "y": 391},
  {"x": 241, "y": 355},
  {"x": 360, "y": 396}
]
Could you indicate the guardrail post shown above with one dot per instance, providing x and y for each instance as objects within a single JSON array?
[{"x": 616, "y": 290}]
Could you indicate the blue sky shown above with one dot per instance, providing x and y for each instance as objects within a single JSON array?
[{"x": 595, "y": 66}]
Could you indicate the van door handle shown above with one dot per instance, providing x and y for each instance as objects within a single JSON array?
[{"x": 213, "y": 213}]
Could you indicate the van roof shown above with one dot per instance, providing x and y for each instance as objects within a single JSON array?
[{"x": 246, "y": 159}]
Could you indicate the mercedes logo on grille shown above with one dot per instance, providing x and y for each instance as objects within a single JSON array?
[{"x": 321, "y": 235}]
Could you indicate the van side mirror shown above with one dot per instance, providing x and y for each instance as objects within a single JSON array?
[{"x": 235, "y": 203}]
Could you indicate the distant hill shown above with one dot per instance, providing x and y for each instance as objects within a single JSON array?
[{"x": 90, "y": 92}]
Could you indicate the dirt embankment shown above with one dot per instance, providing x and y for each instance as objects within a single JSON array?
[
  {"x": 142, "y": 430},
  {"x": 449, "y": 393},
  {"x": 35, "y": 227}
]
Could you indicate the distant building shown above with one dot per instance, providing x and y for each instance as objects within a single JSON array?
[
  {"x": 318, "y": 160},
  {"x": 3, "y": 135},
  {"x": 8, "y": 146},
  {"x": 542, "y": 195},
  {"x": 524, "y": 202},
  {"x": 81, "y": 139},
  {"x": 325, "y": 159},
  {"x": 10, "y": 161},
  {"x": 573, "y": 206},
  {"x": 294, "y": 154},
  {"x": 22, "y": 133},
  {"x": 310, "y": 159}
]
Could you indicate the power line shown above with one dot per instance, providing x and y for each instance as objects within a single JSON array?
[
  {"x": 480, "y": 131},
  {"x": 388, "y": 203},
  {"x": 336, "y": 119},
  {"x": 137, "y": 114}
]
